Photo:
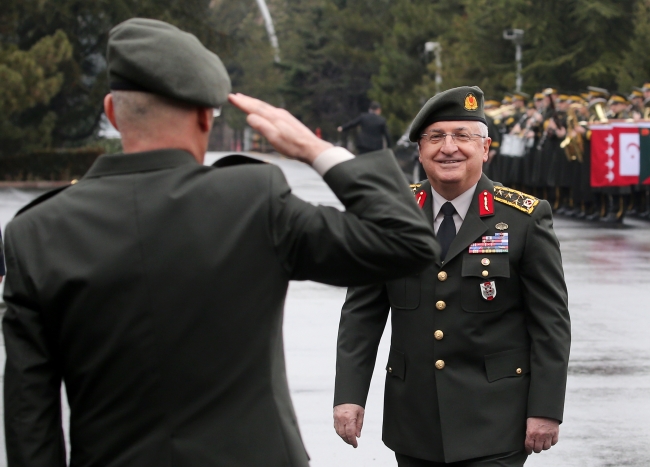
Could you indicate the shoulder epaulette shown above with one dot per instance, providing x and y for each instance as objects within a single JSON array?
[
  {"x": 516, "y": 199},
  {"x": 415, "y": 187},
  {"x": 44, "y": 197}
]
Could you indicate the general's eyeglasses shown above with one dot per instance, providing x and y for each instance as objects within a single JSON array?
[{"x": 437, "y": 138}]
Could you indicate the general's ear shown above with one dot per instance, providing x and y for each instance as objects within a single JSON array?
[
  {"x": 205, "y": 117},
  {"x": 109, "y": 109}
]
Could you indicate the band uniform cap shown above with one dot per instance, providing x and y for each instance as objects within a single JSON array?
[
  {"x": 491, "y": 103},
  {"x": 539, "y": 96},
  {"x": 549, "y": 91},
  {"x": 520, "y": 95},
  {"x": 464, "y": 103},
  {"x": 646, "y": 86},
  {"x": 153, "y": 56},
  {"x": 598, "y": 92},
  {"x": 636, "y": 92},
  {"x": 618, "y": 98}
]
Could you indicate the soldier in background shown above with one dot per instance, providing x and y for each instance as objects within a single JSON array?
[
  {"x": 554, "y": 132},
  {"x": 581, "y": 193},
  {"x": 636, "y": 98},
  {"x": 563, "y": 167},
  {"x": 598, "y": 114},
  {"x": 492, "y": 105},
  {"x": 374, "y": 132}
]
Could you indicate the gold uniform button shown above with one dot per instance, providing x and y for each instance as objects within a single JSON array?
[
  {"x": 518, "y": 371},
  {"x": 442, "y": 276},
  {"x": 440, "y": 364},
  {"x": 441, "y": 305},
  {"x": 485, "y": 273},
  {"x": 485, "y": 262},
  {"x": 438, "y": 335},
  {"x": 390, "y": 370}
]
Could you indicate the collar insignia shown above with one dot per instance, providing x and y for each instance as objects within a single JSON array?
[{"x": 485, "y": 203}]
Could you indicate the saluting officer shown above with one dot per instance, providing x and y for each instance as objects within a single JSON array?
[
  {"x": 480, "y": 339},
  {"x": 154, "y": 287}
]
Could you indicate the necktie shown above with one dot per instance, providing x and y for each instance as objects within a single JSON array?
[{"x": 447, "y": 229}]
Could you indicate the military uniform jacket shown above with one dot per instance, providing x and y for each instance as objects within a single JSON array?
[
  {"x": 505, "y": 359},
  {"x": 154, "y": 288}
]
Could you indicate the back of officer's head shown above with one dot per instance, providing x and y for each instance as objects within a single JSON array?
[{"x": 159, "y": 74}]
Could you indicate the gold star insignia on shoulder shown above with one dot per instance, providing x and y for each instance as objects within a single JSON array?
[
  {"x": 516, "y": 199},
  {"x": 415, "y": 187}
]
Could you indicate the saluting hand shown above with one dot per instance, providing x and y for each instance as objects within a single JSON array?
[
  {"x": 541, "y": 434},
  {"x": 284, "y": 131},
  {"x": 348, "y": 421}
]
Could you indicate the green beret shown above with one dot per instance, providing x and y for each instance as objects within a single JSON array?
[
  {"x": 457, "y": 104},
  {"x": 156, "y": 57}
]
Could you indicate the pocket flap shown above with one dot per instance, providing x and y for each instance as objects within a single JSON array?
[
  {"x": 496, "y": 265},
  {"x": 396, "y": 365},
  {"x": 511, "y": 363}
]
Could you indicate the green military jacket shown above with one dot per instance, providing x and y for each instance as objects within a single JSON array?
[
  {"x": 154, "y": 288},
  {"x": 466, "y": 370}
]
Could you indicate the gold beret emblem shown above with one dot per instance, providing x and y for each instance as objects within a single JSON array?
[{"x": 470, "y": 102}]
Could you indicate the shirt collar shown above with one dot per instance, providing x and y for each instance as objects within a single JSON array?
[{"x": 461, "y": 203}]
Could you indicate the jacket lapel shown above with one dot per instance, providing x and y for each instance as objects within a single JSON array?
[{"x": 473, "y": 226}]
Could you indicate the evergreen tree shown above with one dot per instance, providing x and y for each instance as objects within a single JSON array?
[{"x": 29, "y": 79}]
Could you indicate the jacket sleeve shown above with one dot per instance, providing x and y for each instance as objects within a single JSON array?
[
  {"x": 381, "y": 235},
  {"x": 363, "y": 319},
  {"x": 352, "y": 123},
  {"x": 545, "y": 295},
  {"x": 32, "y": 379},
  {"x": 3, "y": 270}
]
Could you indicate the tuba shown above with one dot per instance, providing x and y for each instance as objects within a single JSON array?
[{"x": 573, "y": 144}]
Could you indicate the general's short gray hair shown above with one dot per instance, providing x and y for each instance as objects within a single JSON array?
[
  {"x": 135, "y": 107},
  {"x": 482, "y": 129}
]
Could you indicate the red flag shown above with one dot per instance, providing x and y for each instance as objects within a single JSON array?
[{"x": 615, "y": 155}]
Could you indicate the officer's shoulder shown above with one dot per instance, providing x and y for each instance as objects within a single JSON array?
[
  {"x": 41, "y": 199},
  {"x": 516, "y": 199}
]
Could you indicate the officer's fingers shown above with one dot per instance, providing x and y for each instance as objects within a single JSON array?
[
  {"x": 265, "y": 127},
  {"x": 360, "y": 416},
  {"x": 529, "y": 444},
  {"x": 249, "y": 104},
  {"x": 546, "y": 445},
  {"x": 556, "y": 438},
  {"x": 350, "y": 433}
]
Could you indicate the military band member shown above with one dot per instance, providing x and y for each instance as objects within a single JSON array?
[{"x": 480, "y": 339}]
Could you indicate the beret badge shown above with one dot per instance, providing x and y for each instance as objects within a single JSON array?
[{"x": 470, "y": 102}]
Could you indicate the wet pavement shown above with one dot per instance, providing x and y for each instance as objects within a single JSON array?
[{"x": 607, "y": 415}]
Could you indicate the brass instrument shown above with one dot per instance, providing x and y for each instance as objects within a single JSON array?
[
  {"x": 599, "y": 110},
  {"x": 501, "y": 111},
  {"x": 646, "y": 113},
  {"x": 573, "y": 144}
]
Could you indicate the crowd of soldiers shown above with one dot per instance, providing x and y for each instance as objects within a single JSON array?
[{"x": 541, "y": 146}]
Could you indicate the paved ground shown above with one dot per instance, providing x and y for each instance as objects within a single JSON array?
[{"x": 607, "y": 417}]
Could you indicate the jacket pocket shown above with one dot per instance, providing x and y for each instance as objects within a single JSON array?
[
  {"x": 404, "y": 293},
  {"x": 481, "y": 277},
  {"x": 396, "y": 365},
  {"x": 509, "y": 364}
]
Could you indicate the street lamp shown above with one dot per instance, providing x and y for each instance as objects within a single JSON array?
[
  {"x": 436, "y": 48},
  {"x": 516, "y": 36}
]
